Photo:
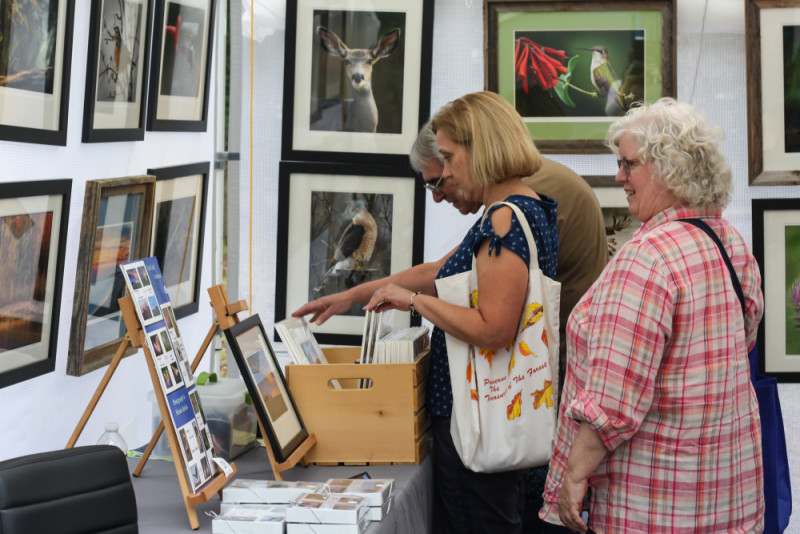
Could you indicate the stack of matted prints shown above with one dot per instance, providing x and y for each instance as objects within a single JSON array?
[
  {"x": 237, "y": 518},
  {"x": 327, "y": 513},
  {"x": 378, "y": 493}
]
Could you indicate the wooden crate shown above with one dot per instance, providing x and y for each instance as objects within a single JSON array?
[{"x": 385, "y": 423}]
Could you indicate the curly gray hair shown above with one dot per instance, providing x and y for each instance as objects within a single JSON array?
[
  {"x": 684, "y": 149},
  {"x": 425, "y": 148}
]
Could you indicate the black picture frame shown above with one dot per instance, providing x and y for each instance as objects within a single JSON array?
[
  {"x": 25, "y": 111},
  {"x": 776, "y": 226},
  {"x": 184, "y": 108},
  {"x": 33, "y": 226},
  {"x": 117, "y": 69},
  {"x": 181, "y": 194},
  {"x": 307, "y": 236},
  {"x": 251, "y": 347},
  {"x": 311, "y": 129}
]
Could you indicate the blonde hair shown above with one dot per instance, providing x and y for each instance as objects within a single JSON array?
[
  {"x": 684, "y": 149},
  {"x": 494, "y": 135}
]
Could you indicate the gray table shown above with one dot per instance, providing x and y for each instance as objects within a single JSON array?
[{"x": 161, "y": 510}]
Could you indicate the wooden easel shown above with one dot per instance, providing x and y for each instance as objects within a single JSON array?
[
  {"x": 135, "y": 338},
  {"x": 226, "y": 317}
]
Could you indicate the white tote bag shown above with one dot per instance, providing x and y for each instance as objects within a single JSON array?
[{"x": 504, "y": 402}]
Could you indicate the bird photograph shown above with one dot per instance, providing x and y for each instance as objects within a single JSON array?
[
  {"x": 350, "y": 241},
  {"x": 578, "y": 73}
]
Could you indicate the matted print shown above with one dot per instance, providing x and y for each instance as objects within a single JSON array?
[
  {"x": 33, "y": 228},
  {"x": 35, "y": 56},
  {"x": 570, "y": 68},
  {"x": 620, "y": 224},
  {"x": 340, "y": 226},
  {"x": 776, "y": 246},
  {"x": 361, "y": 74}
]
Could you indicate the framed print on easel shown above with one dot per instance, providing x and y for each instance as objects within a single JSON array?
[
  {"x": 569, "y": 68},
  {"x": 361, "y": 72},
  {"x": 115, "y": 228},
  {"x": 183, "y": 39},
  {"x": 33, "y": 233},
  {"x": 35, "y": 56},
  {"x": 116, "y": 75},
  {"x": 177, "y": 236},
  {"x": 772, "y": 33},
  {"x": 340, "y": 226}
]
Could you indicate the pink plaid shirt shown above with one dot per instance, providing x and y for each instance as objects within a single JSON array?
[{"x": 657, "y": 365}]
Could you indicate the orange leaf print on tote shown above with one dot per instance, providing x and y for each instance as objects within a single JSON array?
[
  {"x": 533, "y": 312},
  {"x": 514, "y": 409},
  {"x": 543, "y": 396},
  {"x": 469, "y": 371},
  {"x": 525, "y": 350},
  {"x": 544, "y": 338}
]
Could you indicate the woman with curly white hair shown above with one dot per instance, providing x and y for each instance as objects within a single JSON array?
[{"x": 658, "y": 425}]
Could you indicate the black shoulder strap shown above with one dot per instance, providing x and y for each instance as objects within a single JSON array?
[{"x": 737, "y": 286}]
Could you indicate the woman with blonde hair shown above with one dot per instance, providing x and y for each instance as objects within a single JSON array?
[
  {"x": 486, "y": 151},
  {"x": 658, "y": 424}
]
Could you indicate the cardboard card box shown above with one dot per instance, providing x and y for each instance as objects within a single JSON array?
[
  {"x": 250, "y": 519},
  {"x": 375, "y": 490},
  {"x": 327, "y": 508},
  {"x": 377, "y": 513},
  {"x": 245, "y": 490},
  {"x": 322, "y": 528}
]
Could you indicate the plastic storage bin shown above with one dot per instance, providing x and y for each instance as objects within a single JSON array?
[{"x": 231, "y": 420}]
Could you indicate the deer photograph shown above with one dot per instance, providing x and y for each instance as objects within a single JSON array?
[{"x": 357, "y": 77}]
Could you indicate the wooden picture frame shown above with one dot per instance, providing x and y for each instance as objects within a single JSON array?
[
  {"x": 773, "y": 139},
  {"x": 322, "y": 118},
  {"x": 115, "y": 228},
  {"x": 548, "y": 78},
  {"x": 180, "y": 77},
  {"x": 776, "y": 246},
  {"x": 316, "y": 204},
  {"x": 118, "y": 66},
  {"x": 33, "y": 236},
  {"x": 620, "y": 224},
  {"x": 34, "y": 92},
  {"x": 267, "y": 386},
  {"x": 176, "y": 240}
]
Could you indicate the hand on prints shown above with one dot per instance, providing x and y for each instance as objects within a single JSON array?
[
  {"x": 570, "y": 503},
  {"x": 390, "y": 297},
  {"x": 324, "y": 308}
]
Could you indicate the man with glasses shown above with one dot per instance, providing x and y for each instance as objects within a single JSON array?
[{"x": 582, "y": 255}]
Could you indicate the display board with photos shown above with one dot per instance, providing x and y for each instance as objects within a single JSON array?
[{"x": 145, "y": 285}]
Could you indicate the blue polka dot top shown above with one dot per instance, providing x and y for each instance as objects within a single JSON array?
[{"x": 541, "y": 215}]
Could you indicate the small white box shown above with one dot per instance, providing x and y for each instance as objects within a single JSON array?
[
  {"x": 327, "y": 508},
  {"x": 376, "y": 513},
  {"x": 375, "y": 490},
  {"x": 250, "y": 519},
  {"x": 318, "y": 528},
  {"x": 245, "y": 490}
]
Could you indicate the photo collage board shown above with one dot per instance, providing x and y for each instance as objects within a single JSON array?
[{"x": 145, "y": 284}]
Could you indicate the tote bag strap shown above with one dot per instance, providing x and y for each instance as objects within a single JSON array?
[
  {"x": 737, "y": 286},
  {"x": 523, "y": 221}
]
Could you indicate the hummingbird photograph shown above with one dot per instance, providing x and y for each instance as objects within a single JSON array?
[{"x": 565, "y": 73}]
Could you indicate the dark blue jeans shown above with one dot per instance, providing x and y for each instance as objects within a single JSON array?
[{"x": 467, "y": 502}]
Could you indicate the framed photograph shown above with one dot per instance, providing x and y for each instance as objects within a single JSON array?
[
  {"x": 33, "y": 233},
  {"x": 262, "y": 375},
  {"x": 116, "y": 82},
  {"x": 339, "y": 226},
  {"x": 620, "y": 224},
  {"x": 776, "y": 246},
  {"x": 183, "y": 39},
  {"x": 570, "y": 68},
  {"x": 772, "y": 33},
  {"x": 177, "y": 234},
  {"x": 35, "y": 55},
  {"x": 115, "y": 229},
  {"x": 362, "y": 79}
]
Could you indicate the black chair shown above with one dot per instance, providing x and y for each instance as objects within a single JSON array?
[{"x": 69, "y": 491}]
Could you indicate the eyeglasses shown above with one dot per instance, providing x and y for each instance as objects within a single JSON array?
[
  {"x": 627, "y": 165},
  {"x": 433, "y": 187}
]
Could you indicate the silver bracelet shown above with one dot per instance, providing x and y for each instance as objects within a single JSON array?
[{"x": 414, "y": 313}]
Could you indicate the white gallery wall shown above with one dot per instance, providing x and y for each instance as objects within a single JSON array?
[
  {"x": 710, "y": 74},
  {"x": 41, "y": 414}
]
